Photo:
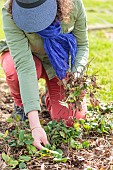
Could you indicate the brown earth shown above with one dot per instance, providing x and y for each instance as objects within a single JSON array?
[{"x": 98, "y": 157}]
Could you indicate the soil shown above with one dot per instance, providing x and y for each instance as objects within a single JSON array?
[{"x": 98, "y": 157}]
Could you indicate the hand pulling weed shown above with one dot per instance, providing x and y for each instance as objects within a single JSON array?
[
  {"x": 76, "y": 86},
  {"x": 18, "y": 149},
  {"x": 20, "y": 139}
]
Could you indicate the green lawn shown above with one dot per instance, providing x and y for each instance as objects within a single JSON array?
[
  {"x": 99, "y": 11},
  {"x": 101, "y": 45},
  {"x": 101, "y": 50},
  {"x": 99, "y": 4},
  {"x": 97, "y": 18}
]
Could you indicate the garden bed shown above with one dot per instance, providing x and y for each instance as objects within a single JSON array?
[{"x": 91, "y": 150}]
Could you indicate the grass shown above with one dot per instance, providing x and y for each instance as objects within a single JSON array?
[
  {"x": 101, "y": 51},
  {"x": 98, "y": 4},
  {"x": 100, "y": 45},
  {"x": 97, "y": 18},
  {"x": 99, "y": 11}
]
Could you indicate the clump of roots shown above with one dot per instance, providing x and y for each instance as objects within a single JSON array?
[{"x": 76, "y": 87}]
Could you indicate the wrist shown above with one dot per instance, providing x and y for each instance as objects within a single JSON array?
[
  {"x": 33, "y": 128},
  {"x": 77, "y": 74},
  {"x": 34, "y": 119}
]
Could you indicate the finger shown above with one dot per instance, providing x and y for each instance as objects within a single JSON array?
[
  {"x": 45, "y": 142},
  {"x": 38, "y": 145},
  {"x": 76, "y": 74}
]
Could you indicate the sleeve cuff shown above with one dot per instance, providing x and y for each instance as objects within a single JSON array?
[
  {"x": 32, "y": 106},
  {"x": 78, "y": 69}
]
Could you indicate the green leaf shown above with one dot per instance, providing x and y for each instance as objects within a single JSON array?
[
  {"x": 24, "y": 158},
  {"x": 73, "y": 143},
  {"x": 13, "y": 163},
  {"x": 62, "y": 134},
  {"x": 85, "y": 144},
  {"x": 21, "y": 135},
  {"x": 71, "y": 100},
  {"x": 10, "y": 120},
  {"x": 48, "y": 146},
  {"x": 94, "y": 124},
  {"x": 82, "y": 121},
  {"x": 58, "y": 156},
  {"x": 13, "y": 144},
  {"x": 76, "y": 126},
  {"x": 59, "y": 151},
  {"x": 32, "y": 149},
  {"x": 87, "y": 126},
  {"x": 77, "y": 92},
  {"x": 102, "y": 122},
  {"x": 17, "y": 118},
  {"x": 60, "y": 160},
  {"x": 9, "y": 160},
  {"x": 22, "y": 165},
  {"x": 89, "y": 169},
  {"x": 68, "y": 86},
  {"x": 5, "y": 135},
  {"x": 29, "y": 142},
  {"x": 50, "y": 151},
  {"x": 1, "y": 135},
  {"x": 5, "y": 157},
  {"x": 99, "y": 131}
]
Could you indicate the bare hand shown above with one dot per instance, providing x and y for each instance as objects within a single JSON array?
[
  {"x": 40, "y": 137},
  {"x": 38, "y": 132}
]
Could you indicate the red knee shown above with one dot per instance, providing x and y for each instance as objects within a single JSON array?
[{"x": 8, "y": 67}]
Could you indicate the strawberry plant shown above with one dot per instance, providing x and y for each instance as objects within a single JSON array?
[
  {"x": 19, "y": 139},
  {"x": 58, "y": 133}
]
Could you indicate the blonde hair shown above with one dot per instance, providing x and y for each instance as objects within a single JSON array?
[{"x": 64, "y": 10}]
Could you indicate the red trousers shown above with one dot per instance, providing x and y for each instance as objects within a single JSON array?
[{"x": 54, "y": 95}]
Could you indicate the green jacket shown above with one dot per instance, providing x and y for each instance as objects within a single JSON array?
[{"x": 22, "y": 45}]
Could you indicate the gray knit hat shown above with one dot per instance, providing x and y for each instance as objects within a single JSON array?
[{"x": 33, "y": 15}]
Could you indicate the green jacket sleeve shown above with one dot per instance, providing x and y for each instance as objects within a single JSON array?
[
  {"x": 80, "y": 32},
  {"x": 24, "y": 63}
]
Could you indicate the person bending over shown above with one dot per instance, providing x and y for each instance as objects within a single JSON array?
[{"x": 44, "y": 39}]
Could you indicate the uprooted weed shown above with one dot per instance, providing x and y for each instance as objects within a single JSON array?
[{"x": 75, "y": 89}]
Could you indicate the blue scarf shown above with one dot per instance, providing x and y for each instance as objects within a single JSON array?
[{"x": 58, "y": 46}]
